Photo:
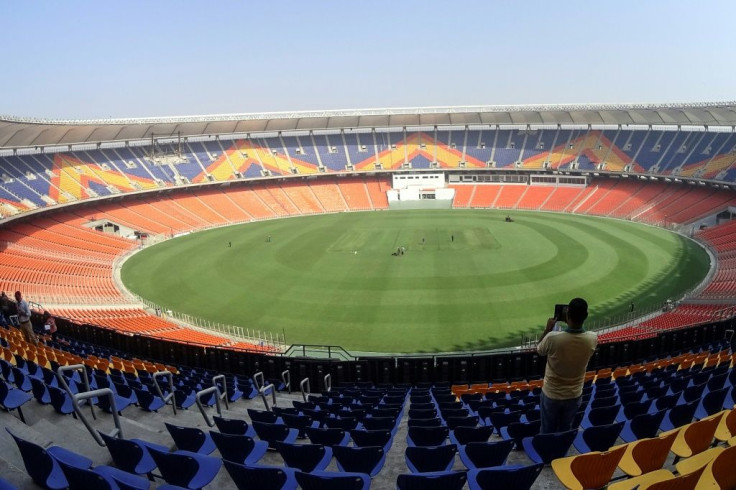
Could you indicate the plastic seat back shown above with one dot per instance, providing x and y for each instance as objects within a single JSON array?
[
  {"x": 147, "y": 400},
  {"x": 427, "y": 436},
  {"x": 368, "y": 460},
  {"x": 239, "y": 448},
  {"x": 327, "y": 436},
  {"x": 328, "y": 480},
  {"x": 80, "y": 479},
  {"x": 502, "y": 419},
  {"x": 305, "y": 457},
  {"x": 519, "y": 430},
  {"x": 485, "y": 454},
  {"x": 696, "y": 437},
  {"x": 433, "y": 422},
  {"x": 60, "y": 400},
  {"x": 518, "y": 477},
  {"x": 422, "y": 413},
  {"x": 273, "y": 433},
  {"x": 40, "y": 466},
  {"x": 260, "y": 477},
  {"x": 598, "y": 438},
  {"x": 727, "y": 427},
  {"x": 442, "y": 480},
  {"x": 378, "y": 423},
  {"x": 642, "y": 426},
  {"x": 721, "y": 469},
  {"x": 185, "y": 468},
  {"x": 128, "y": 455},
  {"x": 602, "y": 415},
  {"x": 647, "y": 455},
  {"x": 422, "y": 459},
  {"x": 262, "y": 416},
  {"x": 190, "y": 439},
  {"x": 682, "y": 482},
  {"x": 231, "y": 426},
  {"x": 712, "y": 403},
  {"x": 543, "y": 448},
  {"x": 636, "y": 408},
  {"x": 40, "y": 392},
  {"x": 363, "y": 438},
  {"x": 590, "y": 470},
  {"x": 462, "y": 435}
]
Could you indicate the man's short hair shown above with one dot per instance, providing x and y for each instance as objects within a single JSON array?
[{"x": 577, "y": 310}]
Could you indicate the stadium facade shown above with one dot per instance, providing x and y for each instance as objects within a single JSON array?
[{"x": 671, "y": 165}]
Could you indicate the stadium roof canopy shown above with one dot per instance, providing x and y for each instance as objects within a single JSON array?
[{"x": 18, "y": 132}]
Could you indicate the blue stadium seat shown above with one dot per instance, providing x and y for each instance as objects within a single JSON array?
[
  {"x": 642, "y": 426},
  {"x": 598, "y": 437},
  {"x": 517, "y": 431},
  {"x": 131, "y": 455},
  {"x": 261, "y": 477},
  {"x": 102, "y": 478},
  {"x": 425, "y": 459},
  {"x": 518, "y": 477},
  {"x": 364, "y": 438},
  {"x": 234, "y": 426},
  {"x": 543, "y": 448},
  {"x": 433, "y": 422},
  {"x": 262, "y": 416},
  {"x": 43, "y": 466},
  {"x": 239, "y": 448},
  {"x": 679, "y": 415},
  {"x": 441, "y": 480},
  {"x": 328, "y": 480},
  {"x": 427, "y": 436},
  {"x": 186, "y": 469},
  {"x": 272, "y": 433},
  {"x": 328, "y": 436},
  {"x": 191, "y": 439},
  {"x": 11, "y": 398},
  {"x": 463, "y": 435},
  {"x": 485, "y": 454},
  {"x": 368, "y": 460},
  {"x": 60, "y": 400},
  {"x": 148, "y": 401},
  {"x": 711, "y": 403},
  {"x": 600, "y": 416},
  {"x": 305, "y": 457}
]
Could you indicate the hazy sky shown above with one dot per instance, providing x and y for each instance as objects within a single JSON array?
[{"x": 98, "y": 59}]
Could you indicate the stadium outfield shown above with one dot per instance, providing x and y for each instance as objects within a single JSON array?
[
  {"x": 464, "y": 279},
  {"x": 669, "y": 165}
]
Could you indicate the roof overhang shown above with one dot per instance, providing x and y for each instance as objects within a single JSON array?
[{"x": 17, "y": 132}]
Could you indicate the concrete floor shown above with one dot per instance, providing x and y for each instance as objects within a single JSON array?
[{"x": 46, "y": 427}]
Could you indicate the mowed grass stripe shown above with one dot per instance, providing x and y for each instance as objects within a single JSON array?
[{"x": 332, "y": 279}]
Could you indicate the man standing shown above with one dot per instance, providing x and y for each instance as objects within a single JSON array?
[
  {"x": 568, "y": 352},
  {"x": 24, "y": 319}
]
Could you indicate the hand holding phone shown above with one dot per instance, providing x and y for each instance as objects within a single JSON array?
[{"x": 560, "y": 313}]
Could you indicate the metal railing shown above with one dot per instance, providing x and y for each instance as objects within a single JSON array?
[
  {"x": 159, "y": 391},
  {"x": 259, "y": 339},
  {"x": 286, "y": 378},
  {"x": 264, "y": 389},
  {"x": 328, "y": 383},
  {"x": 88, "y": 395},
  {"x": 219, "y": 395},
  {"x": 308, "y": 391},
  {"x": 319, "y": 351},
  {"x": 212, "y": 389},
  {"x": 222, "y": 395}
]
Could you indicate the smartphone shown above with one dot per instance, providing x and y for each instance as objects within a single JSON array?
[{"x": 560, "y": 313}]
